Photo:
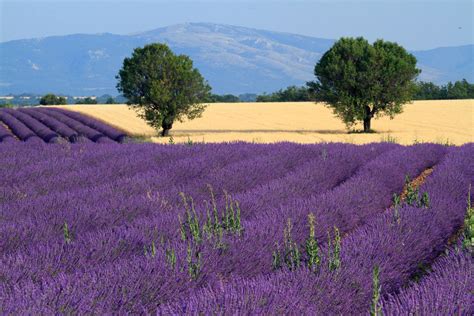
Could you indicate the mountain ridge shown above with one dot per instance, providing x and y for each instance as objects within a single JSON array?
[{"x": 234, "y": 59}]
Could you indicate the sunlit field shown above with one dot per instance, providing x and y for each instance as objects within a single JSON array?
[{"x": 443, "y": 121}]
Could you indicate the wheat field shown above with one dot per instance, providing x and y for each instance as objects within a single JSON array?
[{"x": 445, "y": 121}]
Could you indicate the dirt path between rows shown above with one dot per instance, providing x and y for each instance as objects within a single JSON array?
[{"x": 415, "y": 183}]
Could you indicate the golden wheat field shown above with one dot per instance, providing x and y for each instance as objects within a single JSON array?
[{"x": 443, "y": 121}]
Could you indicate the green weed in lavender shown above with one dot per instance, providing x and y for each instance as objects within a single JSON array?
[
  {"x": 312, "y": 249},
  {"x": 375, "y": 307},
  {"x": 468, "y": 240},
  {"x": 66, "y": 233}
]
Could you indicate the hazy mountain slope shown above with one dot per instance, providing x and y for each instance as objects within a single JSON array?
[
  {"x": 233, "y": 59},
  {"x": 447, "y": 63}
]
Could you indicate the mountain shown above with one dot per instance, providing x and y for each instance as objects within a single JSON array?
[{"x": 233, "y": 59}]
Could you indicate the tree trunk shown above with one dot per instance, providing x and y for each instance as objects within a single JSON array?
[
  {"x": 368, "y": 116},
  {"x": 166, "y": 128},
  {"x": 367, "y": 124}
]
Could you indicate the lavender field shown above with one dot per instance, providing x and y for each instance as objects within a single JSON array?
[
  {"x": 231, "y": 228},
  {"x": 53, "y": 125}
]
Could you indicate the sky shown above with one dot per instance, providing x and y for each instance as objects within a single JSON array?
[{"x": 415, "y": 24}]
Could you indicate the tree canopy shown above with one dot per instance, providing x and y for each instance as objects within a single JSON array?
[
  {"x": 359, "y": 80},
  {"x": 162, "y": 87},
  {"x": 52, "y": 99}
]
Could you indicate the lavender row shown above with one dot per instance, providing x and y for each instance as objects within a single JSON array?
[
  {"x": 50, "y": 125},
  {"x": 397, "y": 245},
  {"x": 447, "y": 290},
  {"x": 41, "y": 130},
  {"x": 95, "y": 124},
  {"x": 5, "y": 134},
  {"x": 311, "y": 179},
  {"x": 18, "y": 128},
  {"x": 82, "y": 129},
  {"x": 62, "y": 129}
]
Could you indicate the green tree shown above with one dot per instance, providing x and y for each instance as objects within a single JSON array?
[
  {"x": 225, "y": 98},
  {"x": 458, "y": 90},
  {"x": 52, "y": 99},
  {"x": 7, "y": 104},
  {"x": 359, "y": 80},
  {"x": 427, "y": 91},
  {"x": 290, "y": 94},
  {"x": 87, "y": 100},
  {"x": 162, "y": 87},
  {"x": 110, "y": 100}
]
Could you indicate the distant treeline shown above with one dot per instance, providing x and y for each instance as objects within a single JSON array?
[
  {"x": 458, "y": 90},
  {"x": 424, "y": 91},
  {"x": 29, "y": 99},
  {"x": 291, "y": 93},
  {"x": 230, "y": 98}
]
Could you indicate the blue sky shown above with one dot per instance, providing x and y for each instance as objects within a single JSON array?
[{"x": 414, "y": 24}]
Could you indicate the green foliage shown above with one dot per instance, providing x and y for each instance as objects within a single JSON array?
[
  {"x": 248, "y": 97},
  {"x": 193, "y": 259},
  {"x": 413, "y": 197},
  {"x": 6, "y": 105},
  {"x": 162, "y": 87},
  {"x": 66, "y": 234},
  {"x": 359, "y": 80},
  {"x": 334, "y": 250},
  {"x": 290, "y": 94},
  {"x": 276, "y": 258},
  {"x": 312, "y": 249},
  {"x": 171, "y": 257},
  {"x": 396, "y": 201},
  {"x": 150, "y": 251},
  {"x": 189, "y": 142},
  {"x": 375, "y": 307},
  {"x": 424, "y": 201},
  {"x": 389, "y": 139},
  {"x": 468, "y": 241},
  {"x": 51, "y": 99},
  {"x": 225, "y": 98},
  {"x": 457, "y": 90},
  {"x": 228, "y": 222},
  {"x": 191, "y": 225},
  {"x": 87, "y": 100},
  {"x": 292, "y": 254},
  {"x": 110, "y": 100},
  {"x": 213, "y": 228}
]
